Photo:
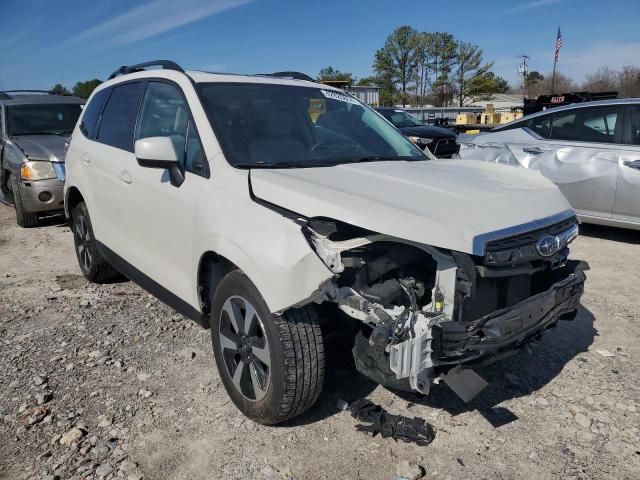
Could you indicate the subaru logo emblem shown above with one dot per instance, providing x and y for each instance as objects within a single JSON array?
[{"x": 548, "y": 245}]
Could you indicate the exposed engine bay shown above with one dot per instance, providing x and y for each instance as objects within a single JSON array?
[{"x": 426, "y": 311}]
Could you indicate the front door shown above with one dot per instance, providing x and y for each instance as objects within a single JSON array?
[
  {"x": 627, "y": 203},
  {"x": 579, "y": 153},
  {"x": 158, "y": 217}
]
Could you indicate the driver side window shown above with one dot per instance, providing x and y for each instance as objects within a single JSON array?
[{"x": 165, "y": 114}]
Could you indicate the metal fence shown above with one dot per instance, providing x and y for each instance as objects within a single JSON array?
[{"x": 431, "y": 115}]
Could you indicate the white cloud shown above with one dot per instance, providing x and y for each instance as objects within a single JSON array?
[
  {"x": 150, "y": 19},
  {"x": 534, "y": 4}
]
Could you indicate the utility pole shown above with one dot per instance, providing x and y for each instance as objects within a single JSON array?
[{"x": 523, "y": 69}]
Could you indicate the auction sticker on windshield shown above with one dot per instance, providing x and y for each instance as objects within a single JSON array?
[{"x": 339, "y": 96}]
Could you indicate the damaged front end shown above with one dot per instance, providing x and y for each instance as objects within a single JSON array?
[{"x": 428, "y": 314}]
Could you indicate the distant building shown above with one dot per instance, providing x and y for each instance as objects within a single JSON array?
[
  {"x": 501, "y": 101},
  {"x": 366, "y": 94}
]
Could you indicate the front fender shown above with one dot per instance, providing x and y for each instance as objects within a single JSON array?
[{"x": 286, "y": 271}]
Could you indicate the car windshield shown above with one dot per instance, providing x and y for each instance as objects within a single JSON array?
[
  {"x": 401, "y": 119},
  {"x": 286, "y": 126},
  {"x": 42, "y": 119}
]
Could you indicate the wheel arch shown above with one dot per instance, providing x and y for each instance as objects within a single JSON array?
[
  {"x": 212, "y": 268},
  {"x": 72, "y": 199}
]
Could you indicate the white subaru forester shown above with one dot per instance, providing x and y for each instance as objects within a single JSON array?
[{"x": 277, "y": 211}]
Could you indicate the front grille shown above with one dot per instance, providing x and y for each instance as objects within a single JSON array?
[{"x": 522, "y": 247}]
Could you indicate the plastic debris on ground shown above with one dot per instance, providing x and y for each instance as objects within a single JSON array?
[{"x": 380, "y": 422}]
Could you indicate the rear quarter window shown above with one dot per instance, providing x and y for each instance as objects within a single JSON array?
[
  {"x": 119, "y": 116},
  {"x": 92, "y": 112}
]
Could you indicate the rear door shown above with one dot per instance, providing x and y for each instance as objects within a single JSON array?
[
  {"x": 158, "y": 217},
  {"x": 627, "y": 202},
  {"x": 105, "y": 159}
]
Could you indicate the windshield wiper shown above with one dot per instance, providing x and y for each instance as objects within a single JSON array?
[
  {"x": 377, "y": 158},
  {"x": 283, "y": 165}
]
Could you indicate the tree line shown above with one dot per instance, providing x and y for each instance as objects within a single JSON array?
[
  {"x": 433, "y": 68},
  {"x": 80, "y": 89},
  {"x": 421, "y": 68}
]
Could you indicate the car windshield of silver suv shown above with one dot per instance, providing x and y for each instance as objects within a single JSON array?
[{"x": 42, "y": 119}]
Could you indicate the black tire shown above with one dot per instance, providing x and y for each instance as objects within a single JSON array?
[
  {"x": 24, "y": 218},
  {"x": 296, "y": 352},
  {"x": 93, "y": 265}
]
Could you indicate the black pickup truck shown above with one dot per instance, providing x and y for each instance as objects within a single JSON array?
[{"x": 440, "y": 141}]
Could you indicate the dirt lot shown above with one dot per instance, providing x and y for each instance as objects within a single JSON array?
[{"x": 139, "y": 382}]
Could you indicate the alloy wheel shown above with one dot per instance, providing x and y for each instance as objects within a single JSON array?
[
  {"x": 83, "y": 239},
  {"x": 245, "y": 348}
]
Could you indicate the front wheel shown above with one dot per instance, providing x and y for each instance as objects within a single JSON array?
[
  {"x": 94, "y": 266},
  {"x": 272, "y": 366},
  {"x": 24, "y": 218}
]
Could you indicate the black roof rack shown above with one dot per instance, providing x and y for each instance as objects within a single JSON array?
[
  {"x": 138, "y": 67},
  {"x": 293, "y": 75},
  {"x": 4, "y": 94}
]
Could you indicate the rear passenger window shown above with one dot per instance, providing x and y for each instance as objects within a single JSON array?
[
  {"x": 634, "y": 124},
  {"x": 92, "y": 111},
  {"x": 597, "y": 125},
  {"x": 119, "y": 116}
]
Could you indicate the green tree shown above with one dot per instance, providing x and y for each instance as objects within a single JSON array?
[
  {"x": 396, "y": 61},
  {"x": 470, "y": 76},
  {"x": 59, "y": 89},
  {"x": 84, "y": 89},
  {"x": 501, "y": 84},
  {"x": 441, "y": 49},
  {"x": 330, "y": 73},
  {"x": 532, "y": 83}
]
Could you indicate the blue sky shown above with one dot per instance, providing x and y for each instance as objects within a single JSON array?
[{"x": 43, "y": 43}]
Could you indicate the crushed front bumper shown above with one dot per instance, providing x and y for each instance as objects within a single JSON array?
[
  {"x": 457, "y": 343},
  {"x": 441, "y": 345}
]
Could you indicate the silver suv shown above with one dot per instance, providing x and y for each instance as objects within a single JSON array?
[{"x": 34, "y": 126}]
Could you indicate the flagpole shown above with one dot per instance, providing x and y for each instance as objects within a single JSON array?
[{"x": 555, "y": 60}]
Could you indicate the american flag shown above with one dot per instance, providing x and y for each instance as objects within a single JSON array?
[{"x": 558, "y": 44}]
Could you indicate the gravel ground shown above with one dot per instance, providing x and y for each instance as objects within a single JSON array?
[{"x": 107, "y": 382}]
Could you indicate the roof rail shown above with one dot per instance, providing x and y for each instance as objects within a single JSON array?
[
  {"x": 138, "y": 67},
  {"x": 4, "y": 94},
  {"x": 293, "y": 75}
]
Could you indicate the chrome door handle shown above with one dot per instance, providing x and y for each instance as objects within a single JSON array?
[
  {"x": 533, "y": 150},
  {"x": 635, "y": 164},
  {"x": 86, "y": 158},
  {"x": 125, "y": 177}
]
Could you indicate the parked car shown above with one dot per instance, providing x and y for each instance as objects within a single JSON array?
[
  {"x": 278, "y": 212},
  {"x": 34, "y": 126},
  {"x": 590, "y": 150},
  {"x": 439, "y": 140}
]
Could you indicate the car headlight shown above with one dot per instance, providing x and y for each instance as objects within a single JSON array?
[
  {"x": 37, "y": 170},
  {"x": 421, "y": 140}
]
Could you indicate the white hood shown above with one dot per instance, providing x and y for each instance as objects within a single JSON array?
[{"x": 444, "y": 203}]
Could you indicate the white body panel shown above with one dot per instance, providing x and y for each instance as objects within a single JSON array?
[
  {"x": 444, "y": 203},
  {"x": 164, "y": 231}
]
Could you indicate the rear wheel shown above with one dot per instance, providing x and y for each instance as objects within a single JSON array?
[
  {"x": 93, "y": 265},
  {"x": 24, "y": 218},
  {"x": 272, "y": 366}
]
